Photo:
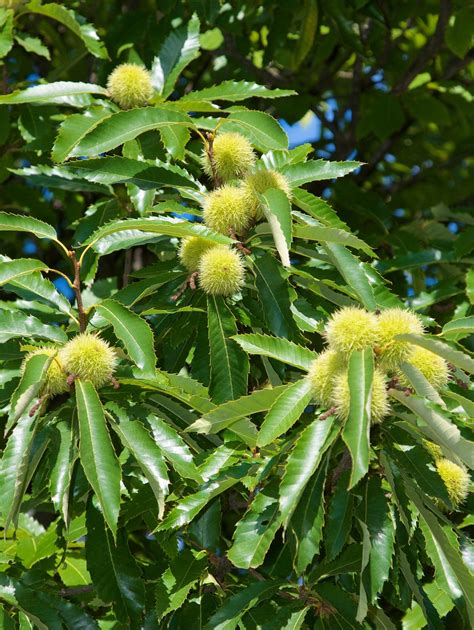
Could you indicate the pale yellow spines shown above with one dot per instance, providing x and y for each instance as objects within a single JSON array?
[{"x": 129, "y": 85}]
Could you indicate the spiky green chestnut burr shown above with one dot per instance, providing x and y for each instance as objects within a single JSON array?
[
  {"x": 433, "y": 367},
  {"x": 433, "y": 449},
  {"x": 191, "y": 249},
  {"x": 56, "y": 378},
  {"x": 322, "y": 372},
  {"x": 351, "y": 328},
  {"x": 89, "y": 358},
  {"x": 393, "y": 322},
  {"x": 11, "y": 4},
  {"x": 456, "y": 480},
  {"x": 129, "y": 85},
  {"x": 226, "y": 209},
  {"x": 379, "y": 406},
  {"x": 261, "y": 181},
  {"x": 221, "y": 271},
  {"x": 232, "y": 156}
]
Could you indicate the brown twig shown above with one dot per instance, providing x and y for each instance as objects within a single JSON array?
[
  {"x": 77, "y": 290},
  {"x": 77, "y": 590},
  {"x": 36, "y": 406},
  {"x": 189, "y": 282},
  {"x": 212, "y": 162},
  {"x": 331, "y": 411}
]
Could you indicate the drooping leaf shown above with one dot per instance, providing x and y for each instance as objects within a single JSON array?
[
  {"x": 381, "y": 530},
  {"x": 260, "y": 128},
  {"x": 227, "y": 617},
  {"x": 23, "y": 223},
  {"x": 180, "y": 577},
  {"x": 12, "y": 270},
  {"x": 173, "y": 448},
  {"x": 139, "y": 442},
  {"x": 133, "y": 332},
  {"x": 274, "y": 295},
  {"x": 437, "y": 427},
  {"x": 332, "y": 235},
  {"x": 73, "y": 129},
  {"x": 62, "y": 469},
  {"x": 29, "y": 387},
  {"x": 356, "y": 431},
  {"x": 60, "y": 93},
  {"x": 456, "y": 357},
  {"x": 303, "y": 462},
  {"x": 14, "y": 468},
  {"x": 178, "y": 50},
  {"x": 277, "y": 211},
  {"x": 285, "y": 411},
  {"x": 85, "y": 31},
  {"x": 229, "y": 363},
  {"x": 317, "y": 170},
  {"x": 306, "y": 524},
  {"x": 14, "y": 324},
  {"x": 228, "y": 413},
  {"x": 114, "y": 572},
  {"x": 256, "y": 530},
  {"x": 153, "y": 225},
  {"x": 116, "y": 129},
  {"x": 277, "y": 348},
  {"x": 98, "y": 457},
  {"x": 352, "y": 270}
]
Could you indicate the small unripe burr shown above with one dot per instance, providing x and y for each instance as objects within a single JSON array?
[
  {"x": 322, "y": 373},
  {"x": 433, "y": 449},
  {"x": 56, "y": 378},
  {"x": 191, "y": 249},
  {"x": 379, "y": 406},
  {"x": 433, "y": 367},
  {"x": 258, "y": 183},
  {"x": 226, "y": 209},
  {"x": 129, "y": 85},
  {"x": 351, "y": 328},
  {"x": 89, "y": 358},
  {"x": 11, "y": 4},
  {"x": 393, "y": 322},
  {"x": 232, "y": 156},
  {"x": 456, "y": 480},
  {"x": 221, "y": 271}
]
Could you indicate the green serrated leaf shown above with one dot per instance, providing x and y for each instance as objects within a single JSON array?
[
  {"x": 356, "y": 431},
  {"x": 17, "y": 324},
  {"x": 277, "y": 348},
  {"x": 139, "y": 442},
  {"x": 180, "y": 577},
  {"x": 98, "y": 458},
  {"x": 115, "y": 574},
  {"x": 303, "y": 462},
  {"x": 133, "y": 332},
  {"x": 263, "y": 131},
  {"x": 229, "y": 364},
  {"x": 285, "y": 411},
  {"x": 277, "y": 209},
  {"x": 116, "y": 129},
  {"x": 256, "y": 530},
  {"x": 85, "y": 31}
]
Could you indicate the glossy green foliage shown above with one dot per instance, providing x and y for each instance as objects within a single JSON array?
[{"x": 206, "y": 484}]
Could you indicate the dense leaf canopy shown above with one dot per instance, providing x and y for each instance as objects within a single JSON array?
[{"x": 236, "y": 314}]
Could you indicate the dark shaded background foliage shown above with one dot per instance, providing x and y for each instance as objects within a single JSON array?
[{"x": 398, "y": 97}]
